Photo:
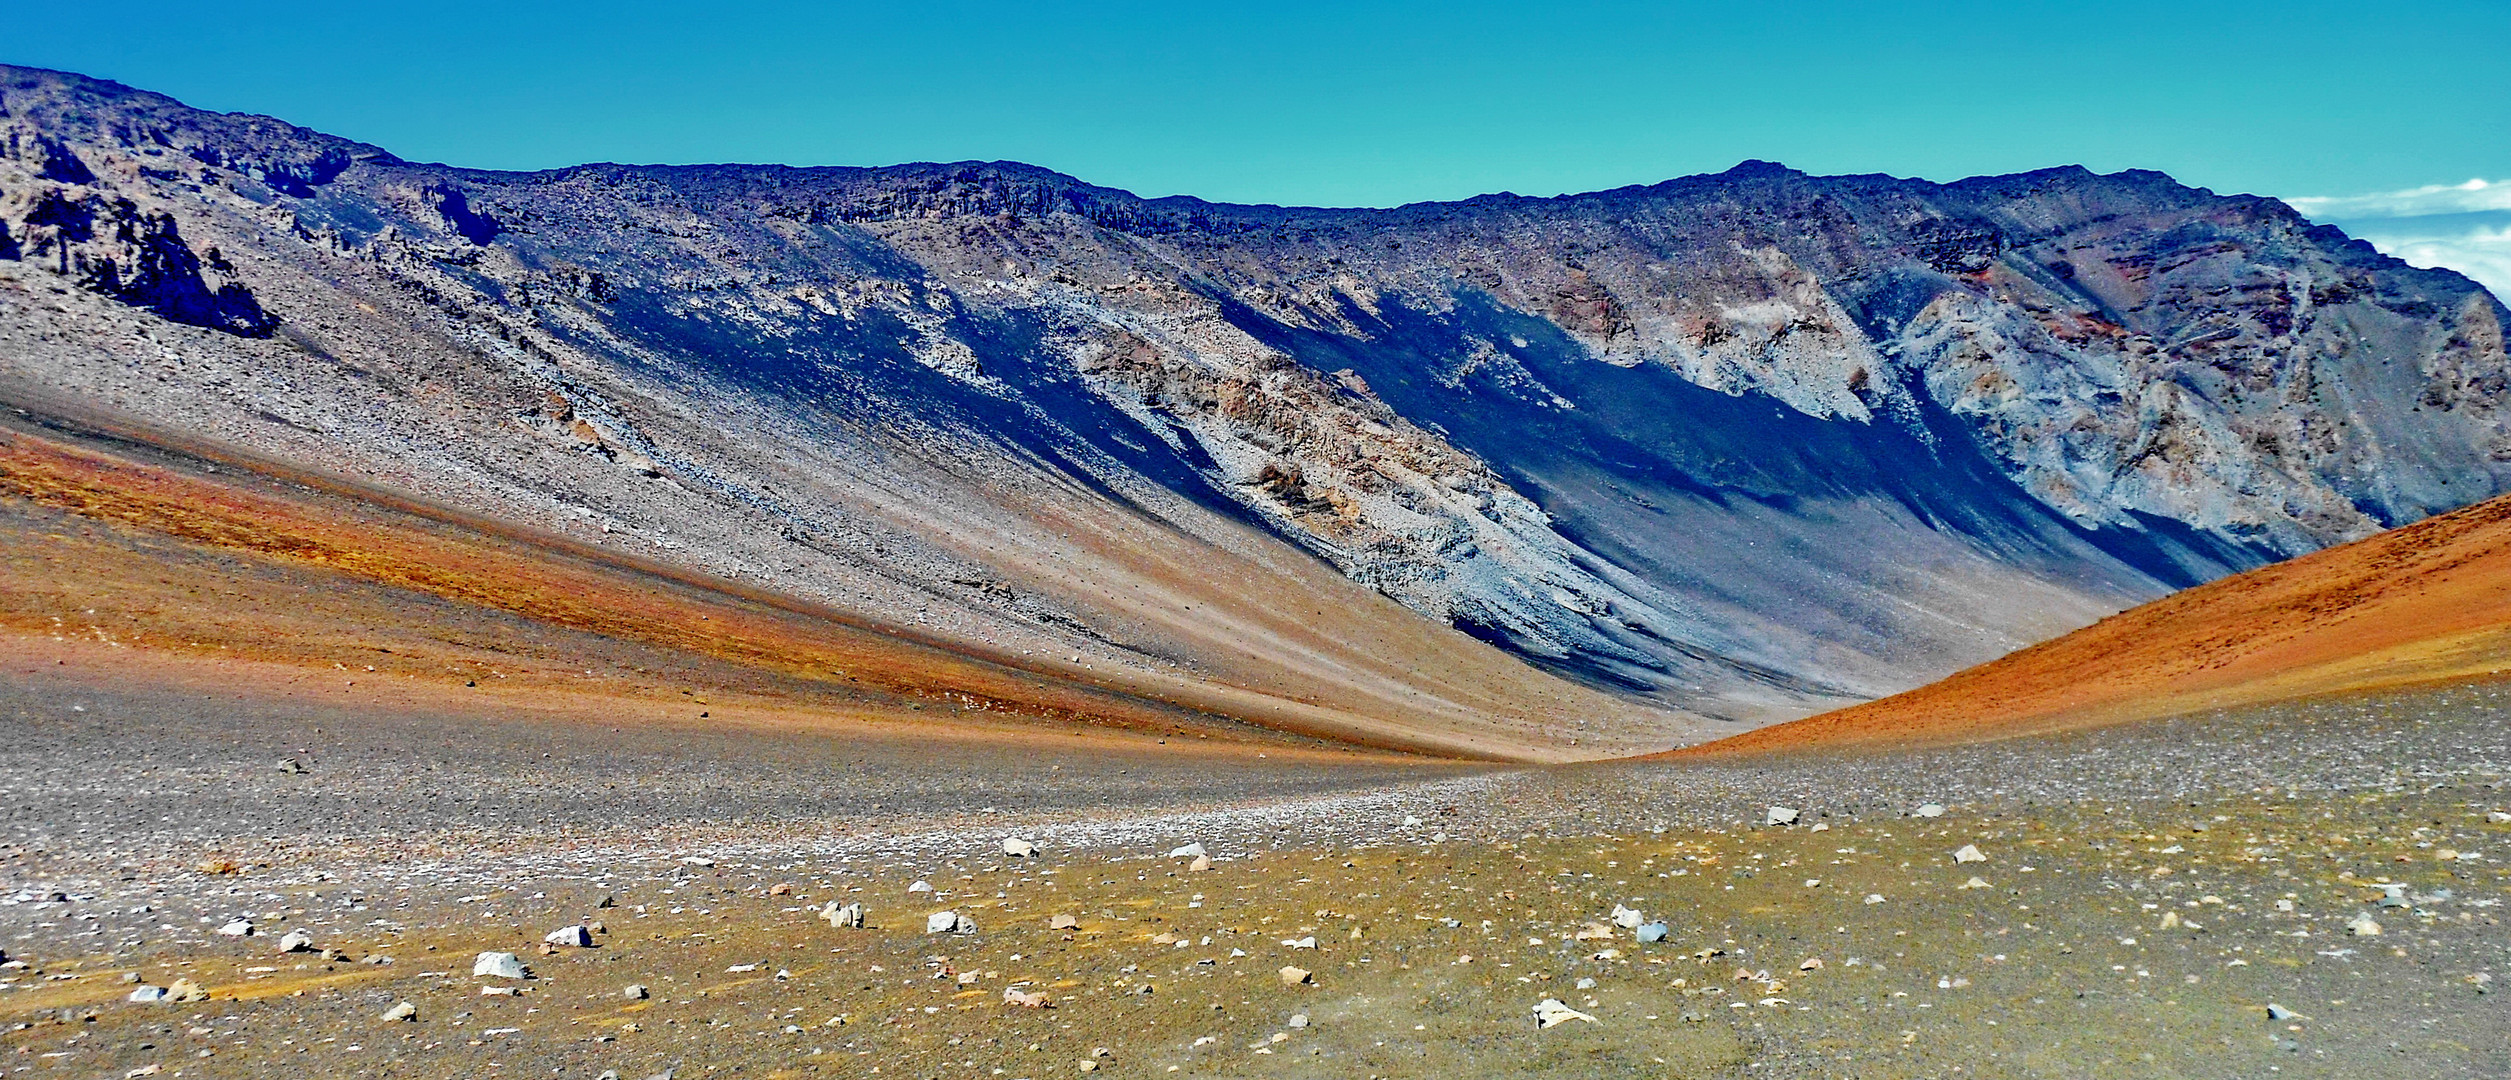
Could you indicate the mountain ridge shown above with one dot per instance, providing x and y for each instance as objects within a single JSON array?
[{"x": 1964, "y": 417}]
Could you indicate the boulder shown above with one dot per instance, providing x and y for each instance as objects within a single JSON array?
[{"x": 497, "y": 965}]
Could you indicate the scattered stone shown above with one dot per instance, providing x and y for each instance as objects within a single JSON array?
[
  {"x": 1782, "y": 815},
  {"x": 1874, "y": 898},
  {"x": 1190, "y": 851},
  {"x": 1013, "y": 995},
  {"x": 1627, "y": 918},
  {"x": 291, "y": 766},
  {"x": 402, "y": 1011},
  {"x": 150, "y": 995},
  {"x": 920, "y": 886},
  {"x": 2498, "y": 817},
  {"x": 1298, "y": 1020},
  {"x": 1200, "y": 864},
  {"x": 1820, "y": 826},
  {"x": 781, "y": 888},
  {"x": 1018, "y": 848},
  {"x": 1651, "y": 933},
  {"x": 497, "y": 965},
  {"x": 1812, "y": 963},
  {"x": 1308, "y": 942},
  {"x": 1588, "y": 983},
  {"x": 1552, "y": 1013},
  {"x": 636, "y": 992},
  {"x": 1063, "y": 922},
  {"x": 693, "y": 860},
  {"x": 2279, "y": 1013},
  {"x": 1929, "y": 810},
  {"x": 1973, "y": 883},
  {"x": 297, "y": 940},
  {"x": 948, "y": 922},
  {"x": 1297, "y": 976},
  {"x": 2362, "y": 926},
  {"x": 238, "y": 928},
  {"x": 578, "y": 936},
  {"x": 185, "y": 991},
  {"x": 1970, "y": 853},
  {"x": 843, "y": 915}
]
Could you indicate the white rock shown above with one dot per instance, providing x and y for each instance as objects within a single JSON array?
[
  {"x": 1820, "y": 826},
  {"x": 636, "y": 992},
  {"x": 843, "y": 915},
  {"x": 1297, "y": 976},
  {"x": 1973, "y": 883},
  {"x": 2362, "y": 926},
  {"x": 1627, "y": 918},
  {"x": 942, "y": 922},
  {"x": 577, "y": 936},
  {"x": 1411, "y": 821},
  {"x": 1782, "y": 815},
  {"x": 1308, "y": 942},
  {"x": 1018, "y": 848},
  {"x": 402, "y": 1011},
  {"x": 1929, "y": 810},
  {"x": 297, "y": 940},
  {"x": 1298, "y": 1020},
  {"x": 497, "y": 965},
  {"x": 238, "y": 928},
  {"x": 1553, "y": 1013},
  {"x": 1970, "y": 853},
  {"x": 149, "y": 994},
  {"x": 920, "y": 885},
  {"x": 692, "y": 860},
  {"x": 1200, "y": 864},
  {"x": 1190, "y": 851},
  {"x": 1874, "y": 898}
]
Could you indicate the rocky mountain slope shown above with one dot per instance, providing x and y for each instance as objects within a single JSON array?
[
  {"x": 2426, "y": 604},
  {"x": 1727, "y": 449}
]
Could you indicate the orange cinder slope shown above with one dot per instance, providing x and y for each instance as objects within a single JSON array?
[{"x": 2430, "y": 602}]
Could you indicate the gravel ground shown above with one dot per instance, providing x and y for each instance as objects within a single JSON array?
[{"x": 1443, "y": 903}]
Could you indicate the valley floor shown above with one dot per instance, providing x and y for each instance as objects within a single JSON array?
[{"x": 2147, "y": 892}]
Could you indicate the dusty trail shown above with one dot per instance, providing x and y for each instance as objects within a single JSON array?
[{"x": 1443, "y": 901}]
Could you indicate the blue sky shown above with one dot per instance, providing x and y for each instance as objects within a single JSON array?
[{"x": 1360, "y": 103}]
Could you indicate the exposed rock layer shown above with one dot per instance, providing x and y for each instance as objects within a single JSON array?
[{"x": 1741, "y": 446}]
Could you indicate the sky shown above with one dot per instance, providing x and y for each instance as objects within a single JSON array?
[{"x": 1376, "y": 104}]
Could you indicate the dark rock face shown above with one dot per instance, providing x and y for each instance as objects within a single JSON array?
[
  {"x": 1746, "y": 444},
  {"x": 106, "y": 244}
]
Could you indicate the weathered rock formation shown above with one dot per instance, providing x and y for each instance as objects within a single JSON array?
[{"x": 1736, "y": 446}]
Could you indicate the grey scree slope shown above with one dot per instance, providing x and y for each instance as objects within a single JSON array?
[{"x": 1727, "y": 448}]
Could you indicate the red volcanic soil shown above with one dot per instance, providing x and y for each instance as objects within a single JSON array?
[
  {"x": 150, "y": 566},
  {"x": 2427, "y": 603}
]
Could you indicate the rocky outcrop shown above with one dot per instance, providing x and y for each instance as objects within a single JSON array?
[
  {"x": 1741, "y": 445},
  {"x": 107, "y": 244}
]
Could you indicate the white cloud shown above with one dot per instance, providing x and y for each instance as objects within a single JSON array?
[
  {"x": 2479, "y": 251},
  {"x": 2464, "y": 227},
  {"x": 2470, "y": 197}
]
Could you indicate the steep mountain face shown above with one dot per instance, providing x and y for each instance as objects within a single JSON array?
[{"x": 1736, "y": 447}]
